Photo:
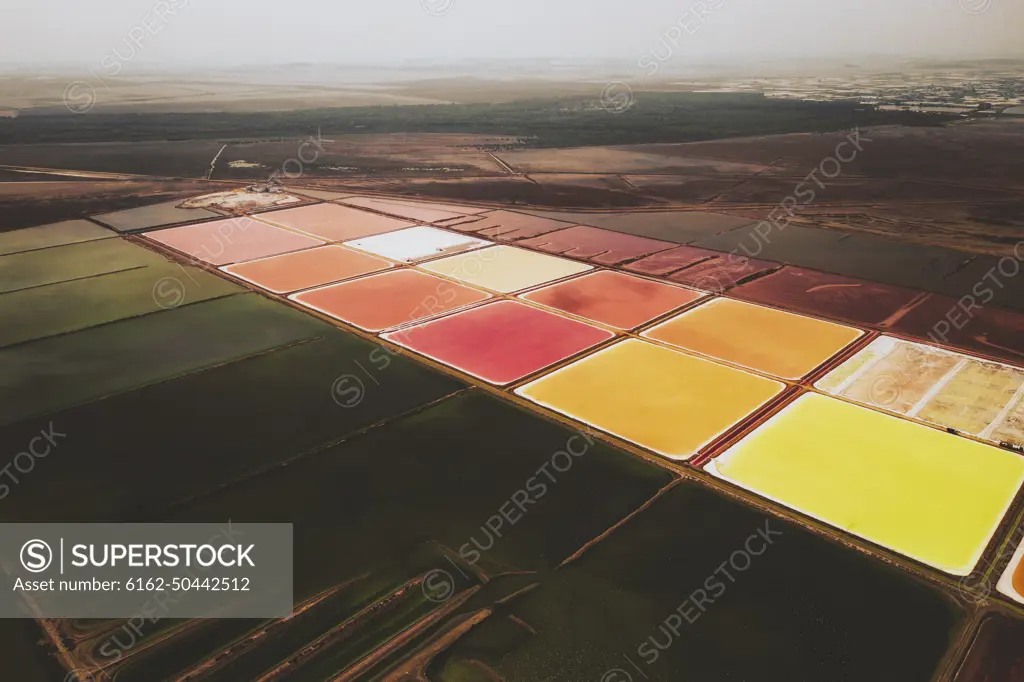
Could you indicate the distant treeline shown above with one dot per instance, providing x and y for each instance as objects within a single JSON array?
[{"x": 569, "y": 122}]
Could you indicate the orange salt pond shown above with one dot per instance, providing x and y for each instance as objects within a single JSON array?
[
  {"x": 306, "y": 269},
  {"x": 767, "y": 340},
  {"x": 1011, "y": 584},
  {"x": 612, "y": 298},
  {"x": 390, "y": 299}
]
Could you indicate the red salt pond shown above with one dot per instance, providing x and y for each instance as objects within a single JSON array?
[
  {"x": 500, "y": 342},
  {"x": 613, "y": 298},
  {"x": 231, "y": 241},
  {"x": 390, "y": 299},
  {"x": 966, "y": 324},
  {"x": 597, "y": 245},
  {"x": 334, "y": 223},
  {"x": 827, "y": 295},
  {"x": 306, "y": 269},
  {"x": 510, "y": 226},
  {"x": 669, "y": 261},
  {"x": 723, "y": 272}
]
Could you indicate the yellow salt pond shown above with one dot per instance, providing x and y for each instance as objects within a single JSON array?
[
  {"x": 661, "y": 399},
  {"x": 929, "y": 495},
  {"x": 505, "y": 268}
]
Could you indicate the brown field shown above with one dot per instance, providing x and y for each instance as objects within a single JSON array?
[
  {"x": 980, "y": 153},
  {"x": 38, "y": 203},
  {"x": 628, "y": 159},
  {"x": 955, "y": 186},
  {"x": 413, "y": 154}
]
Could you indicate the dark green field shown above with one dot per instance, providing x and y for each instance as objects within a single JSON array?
[
  {"x": 570, "y": 122},
  {"x": 786, "y": 606}
]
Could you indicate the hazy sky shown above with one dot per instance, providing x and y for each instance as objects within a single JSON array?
[{"x": 232, "y": 32}]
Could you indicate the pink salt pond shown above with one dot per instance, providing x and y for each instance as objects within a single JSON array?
[
  {"x": 232, "y": 241},
  {"x": 723, "y": 272},
  {"x": 334, "y": 223},
  {"x": 414, "y": 210},
  {"x": 829, "y": 295},
  {"x": 665, "y": 262},
  {"x": 500, "y": 342}
]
